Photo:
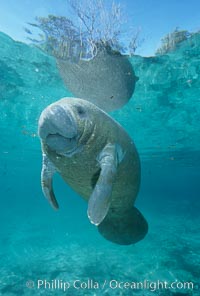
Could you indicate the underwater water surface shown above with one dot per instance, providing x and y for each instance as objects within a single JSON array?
[{"x": 37, "y": 243}]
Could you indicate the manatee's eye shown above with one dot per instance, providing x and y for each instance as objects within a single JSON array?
[{"x": 80, "y": 110}]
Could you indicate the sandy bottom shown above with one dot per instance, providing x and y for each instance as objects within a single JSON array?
[{"x": 81, "y": 262}]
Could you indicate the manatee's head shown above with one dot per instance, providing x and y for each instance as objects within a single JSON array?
[{"x": 62, "y": 125}]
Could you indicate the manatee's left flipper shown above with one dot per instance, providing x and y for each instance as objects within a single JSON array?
[
  {"x": 100, "y": 199},
  {"x": 47, "y": 173}
]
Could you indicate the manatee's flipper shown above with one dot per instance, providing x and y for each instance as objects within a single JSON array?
[
  {"x": 100, "y": 198},
  {"x": 124, "y": 228},
  {"x": 47, "y": 173}
]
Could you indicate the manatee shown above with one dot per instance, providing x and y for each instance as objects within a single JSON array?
[
  {"x": 96, "y": 157},
  {"x": 108, "y": 80}
]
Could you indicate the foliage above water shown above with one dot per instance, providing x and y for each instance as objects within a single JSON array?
[
  {"x": 171, "y": 41},
  {"x": 93, "y": 26}
]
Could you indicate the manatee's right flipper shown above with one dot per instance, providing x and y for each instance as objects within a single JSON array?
[
  {"x": 100, "y": 199},
  {"x": 47, "y": 173},
  {"x": 124, "y": 229}
]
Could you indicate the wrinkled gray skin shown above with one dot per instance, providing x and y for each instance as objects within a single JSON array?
[
  {"x": 108, "y": 80},
  {"x": 96, "y": 157}
]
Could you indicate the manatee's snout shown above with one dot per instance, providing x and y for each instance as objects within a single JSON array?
[{"x": 58, "y": 129}]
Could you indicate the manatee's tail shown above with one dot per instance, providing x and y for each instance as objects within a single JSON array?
[{"x": 124, "y": 229}]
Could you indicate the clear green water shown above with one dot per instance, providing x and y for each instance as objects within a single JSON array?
[{"x": 37, "y": 243}]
